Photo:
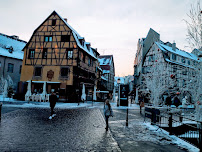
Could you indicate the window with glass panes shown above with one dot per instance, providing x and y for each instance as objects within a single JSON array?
[
  {"x": 64, "y": 72},
  {"x": 44, "y": 55},
  {"x": 69, "y": 54},
  {"x": 174, "y": 57},
  {"x": 48, "y": 38},
  {"x": 31, "y": 53},
  {"x": 10, "y": 67},
  {"x": 37, "y": 72}
]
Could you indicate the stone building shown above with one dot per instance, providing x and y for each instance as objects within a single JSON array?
[{"x": 11, "y": 56}]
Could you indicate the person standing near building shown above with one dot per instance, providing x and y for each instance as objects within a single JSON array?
[
  {"x": 107, "y": 112},
  {"x": 53, "y": 99}
]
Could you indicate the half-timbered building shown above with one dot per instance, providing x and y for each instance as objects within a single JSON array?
[
  {"x": 108, "y": 72},
  {"x": 58, "y": 55}
]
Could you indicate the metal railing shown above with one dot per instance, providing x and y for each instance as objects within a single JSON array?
[{"x": 175, "y": 122}]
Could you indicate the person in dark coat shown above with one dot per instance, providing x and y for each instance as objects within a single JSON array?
[
  {"x": 52, "y": 99},
  {"x": 168, "y": 101},
  {"x": 141, "y": 103},
  {"x": 176, "y": 101},
  {"x": 107, "y": 112}
]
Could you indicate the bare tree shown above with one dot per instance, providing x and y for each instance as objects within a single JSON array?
[
  {"x": 157, "y": 80},
  {"x": 194, "y": 26},
  {"x": 2, "y": 81}
]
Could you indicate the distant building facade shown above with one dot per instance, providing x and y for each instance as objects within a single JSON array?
[
  {"x": 11, "y": 56},
  {"x": 108, "y": 71},
  {"x": 180, "y": 65},
  {"x": 58, "y": 55}
]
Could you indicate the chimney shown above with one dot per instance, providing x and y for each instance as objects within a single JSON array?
[
  {"x": 15, "y": 37},
  {"x": 65, "y": 19},
  {"x": 174, "y": 46}
]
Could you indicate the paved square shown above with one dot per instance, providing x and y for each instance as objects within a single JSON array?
[{"x": 71, "y": 130}]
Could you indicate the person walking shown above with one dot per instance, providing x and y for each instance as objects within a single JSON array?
[
  {"x": 107, "y": 112},
  {"x": 53, "y": 99},
  {"x": 141, "y": 103}
]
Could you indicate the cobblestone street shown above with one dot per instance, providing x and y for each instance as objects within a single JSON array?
[
  {"x": 71, "y": 130},
  {"x": 79, "y": 129}
]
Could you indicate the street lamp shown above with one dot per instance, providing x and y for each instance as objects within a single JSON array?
[{"x": 118, "y": 102}]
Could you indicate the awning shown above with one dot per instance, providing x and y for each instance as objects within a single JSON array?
[
  {"x": 102, "y": 91},
  {"x": 43, "y": 82}
]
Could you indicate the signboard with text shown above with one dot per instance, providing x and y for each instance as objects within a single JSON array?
[{"x": 124, "y": 95}]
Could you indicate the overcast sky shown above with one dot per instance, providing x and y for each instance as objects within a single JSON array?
[{"x": 112, "y": 26}]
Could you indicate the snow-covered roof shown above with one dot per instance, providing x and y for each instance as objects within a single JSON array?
[
  {"x": 11, "y": 43},
  {"x": 105, "y": 59},
  {"x": 77, "y": 37},
  {"x": 177, "y": 51},
  {"x": 102, "y": 77},
  {"x": 179, "y": 63},
  {"x": 99, "y": 68},
  {"x": 105, "y": 71},
  {"x": 122, "y": 80}
]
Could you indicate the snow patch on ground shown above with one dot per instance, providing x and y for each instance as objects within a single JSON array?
[{"x": 173, "y": 138}]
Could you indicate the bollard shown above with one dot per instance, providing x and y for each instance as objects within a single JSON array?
[
  {"x": 170, "y": 123},
  {"x": 0, "y": 110},
  {"x": 127, "y": 117}
]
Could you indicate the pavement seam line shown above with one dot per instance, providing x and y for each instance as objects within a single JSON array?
[{"x": 109, "y": 130}]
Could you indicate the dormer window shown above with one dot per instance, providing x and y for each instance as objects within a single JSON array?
[
  {"x": 82, "y": 41},
  {"x": 88, "y": 46}
]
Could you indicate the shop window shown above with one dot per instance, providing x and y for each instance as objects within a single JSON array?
[
  {"x": 37, "y": 72},
  {"x": 10, "y": 67}
]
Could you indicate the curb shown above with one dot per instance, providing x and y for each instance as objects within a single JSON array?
[{"x": 110, "y": 131}]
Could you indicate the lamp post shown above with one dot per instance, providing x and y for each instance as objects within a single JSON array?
[{"x": 118, "y": 102}]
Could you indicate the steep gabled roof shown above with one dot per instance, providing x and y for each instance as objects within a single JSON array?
[
  {"x": 105, "y": 59},
  {"x": 77, "y": 37},
  {"x": 176, "y": 51},
  {"x": 105, "y": 62},
  {"x": 75, "y": 34}
]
